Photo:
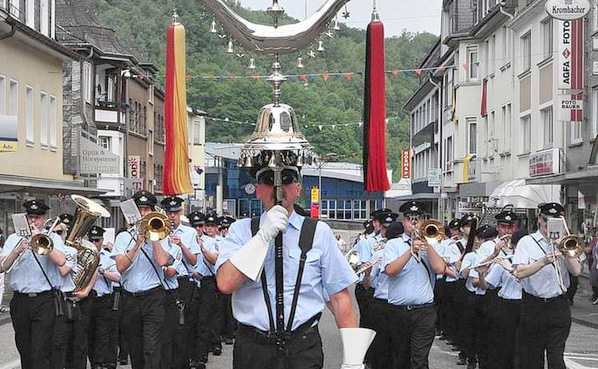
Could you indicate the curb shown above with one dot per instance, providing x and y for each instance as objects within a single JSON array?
[{"x": 5, "y": 318}]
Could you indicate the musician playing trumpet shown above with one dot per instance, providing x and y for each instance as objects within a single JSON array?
[
  {"x": 411, "y": 291},
  {"x": 32, "y": 307},
  {"x": 545, "y": 312}
]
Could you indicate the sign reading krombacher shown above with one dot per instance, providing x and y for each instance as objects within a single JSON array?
[
  {"x": 94, "y": 159},
  {"x": 568, "y": 9}
]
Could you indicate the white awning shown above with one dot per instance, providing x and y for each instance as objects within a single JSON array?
[{"x": 523, "y": 196}]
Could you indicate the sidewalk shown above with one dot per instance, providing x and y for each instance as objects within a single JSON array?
[{"x": 582, "y": 311}]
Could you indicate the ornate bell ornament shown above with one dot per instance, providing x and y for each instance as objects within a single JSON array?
[
  {"x": 321, "y": 46},
  {"x": 300, "y": 161},
  {"x": 213, "y": 27},
  {"x": 300, "y": 62},
  {"x": 251, "y": 63},
  {"x": 336, "y": 27},
  {"x": 248, "y": 162}
]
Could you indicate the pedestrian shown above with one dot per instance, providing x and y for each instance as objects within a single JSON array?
[
  {"x": 545, "y": 310},
  {"x": 140, "y": 261},
  {"x": 278, "y": 307},
  {"x": 340, "y": 242},
  {"x": 593, "y": 267},
  {"x": 363, "y": 250},
  {"x": 412, "y": 265},
  {"x": 33, "y": 279}
]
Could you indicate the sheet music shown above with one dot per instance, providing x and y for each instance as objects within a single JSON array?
[
  {"x": 130, "y": 211},
  {"x": 21, "y": 225}
]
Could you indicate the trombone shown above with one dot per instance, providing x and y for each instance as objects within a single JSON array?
[
  {"x": 431, "y": 231},
  {"x": 570, "y": 246},
  {"x": 40, "y": 243}
]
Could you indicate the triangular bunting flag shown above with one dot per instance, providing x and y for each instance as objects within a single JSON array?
[
  {"x": 348, "y": 76},
  {"x": 303, "y": 77},
  {"x": 320, "y": 127},
  {"x": 465, "y": 66},
  {"x": 418, "y": 72},
  {"x": 394, "y": 73},
  {"x": 325, "y": 77}
]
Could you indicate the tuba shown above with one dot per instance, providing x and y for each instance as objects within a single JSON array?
[
  {"x": 431, "y": 231},
  {"x": 88, "y": 257}
]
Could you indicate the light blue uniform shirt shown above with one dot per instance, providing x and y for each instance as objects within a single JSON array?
[
  {"x": 103, "y": 285},
  {"x": 326, "y": 272},
  {"x": 188, "y": 237},
  {"x": 67, "y": 284},
  {"x": 487, "y": 248},
  {"x": 379, "y": 277},
  {"x": 141, "y": 275},
  {"x": 510, "y": 288},
  {"x": 453, "y": 254},
  {"x": 468, "y": 260},
  {"x": 26, "y": 276},
  {"x": 544, "y": 282},
  {"x": 365, "y": 250},
  {"x": 414, "y": 283},
  {"x": 211, "y": 244}
]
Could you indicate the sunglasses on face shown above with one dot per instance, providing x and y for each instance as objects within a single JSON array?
[
  {"x": 414, "y": 218},
  {"x": 288, "y": 176}
]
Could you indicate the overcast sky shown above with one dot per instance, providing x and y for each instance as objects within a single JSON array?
[{"x": 397, "y": 15}]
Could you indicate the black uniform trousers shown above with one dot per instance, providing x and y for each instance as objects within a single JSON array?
[
  {"x": 33, "y": 321},
  {"x": 121, "y": 342},
  {"x": 439, "y": 298},
  {"x": 364, "y": 299},
  {"x": 502, "y": 352},
  {"x": 255, "y": 350},
  {"x": 143, "y": 317},
  {"x": 209, "y": 318},
  {"x": 228, "y": 321},
  {"x": 467, "y": 324},
  {"x": 481, "y": 330},
  {"x": 448, "y": 310},
  {"x": 103, "y": 325},
  {"x": 545, "y": 326},
  {"x": 379, "y": 355},
  {"x": 412, "y": 335},
  {"x": 187, "y": 297},
  {"x": 69, "y": 341},
  {"x": 172, "y": 333}
]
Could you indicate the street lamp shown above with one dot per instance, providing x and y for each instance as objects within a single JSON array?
[{"x": 321, "y": 163}]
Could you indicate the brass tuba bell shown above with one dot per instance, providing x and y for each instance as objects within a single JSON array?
[{"x": 88, "y": 257}]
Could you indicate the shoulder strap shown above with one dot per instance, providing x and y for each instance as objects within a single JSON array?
[
  {"x": 42, "y": 268},
  {"x": 155, "y": 269},
  {"x": 306, "y": 241},
  {"x": 542, "y": 248},
  {"x": 255, "y": 227},
  {"x": 460, "y": 246}
]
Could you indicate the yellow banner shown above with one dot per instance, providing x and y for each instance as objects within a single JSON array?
[
  {"x": 8, "y": 146},
  {"x": 315, "y": 195}
]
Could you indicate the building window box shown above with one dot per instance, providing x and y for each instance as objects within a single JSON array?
[
  {"x": 523, "y": 155},
  {"x": 545, "y": 62},
  {"x": 505, "y": 67},
  {"x": 524, "y": 74},
  {"x": 575, "y": 144},
  {"x": 54, "y": 148}
]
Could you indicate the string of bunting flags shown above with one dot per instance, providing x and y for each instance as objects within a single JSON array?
[
  {"x": 313, "y": 77},
  {"x": 306, "y": 126}
]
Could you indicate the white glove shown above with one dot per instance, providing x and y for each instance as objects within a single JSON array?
[
  {"x": 356, "y": 342},
  {"x": 249, "y": 260}
]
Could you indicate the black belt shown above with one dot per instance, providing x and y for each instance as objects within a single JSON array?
[
  {"x": 103, "y": 296},
  {"x": 184, "y": 278},
  {"x": 532, "y": 298},
  {"x": 382, "y": 301},
  {"x": 412, "y": 307},
  {"x": 269, "y": 338},
  {"x": 32, "y": 294},
  {"x": 510, "y": 301},
  {"x": 143, "y": 293}
]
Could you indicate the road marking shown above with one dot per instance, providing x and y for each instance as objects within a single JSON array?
[
  {"x": 12, "y": 365},
  {"x": 573, "y": 365}
]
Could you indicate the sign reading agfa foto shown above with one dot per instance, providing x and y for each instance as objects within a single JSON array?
[{"x": 568, "y": 9}]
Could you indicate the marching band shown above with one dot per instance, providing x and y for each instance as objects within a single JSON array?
[{"x": 497, "y": 294}]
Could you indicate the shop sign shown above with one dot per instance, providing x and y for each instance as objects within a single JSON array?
[
  {"x": 571, "y": 108},
  {"x": 545, "y": 162},
  {"x": 134, "y": 166},
  {"x": 315, "y": 195},
  {"x": 567, "y": 9},
  {"x": 406, "y": 163},
  {"x": 570, "y": 72},
  {"x": 434, "y": 177},
  {"x": 94, "y": 159},
  {"x": 9, "y": 133}
]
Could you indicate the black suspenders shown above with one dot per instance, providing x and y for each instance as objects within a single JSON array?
[{"x": 305, "y": 244}]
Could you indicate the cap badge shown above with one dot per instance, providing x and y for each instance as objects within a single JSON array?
[
  {"x": 34, "y": 207},
  {"x": 172, "y": 203},
  {"x": 143, "y": 199},
  {"x": 552, "y": 211},
  {"x": 508, "y": 217},
  {"x": 414, "y": 208}
]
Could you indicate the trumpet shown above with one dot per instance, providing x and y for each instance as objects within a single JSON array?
[
  {"x": 431, "y": 231},
  {"x": 155, "y": 226}
]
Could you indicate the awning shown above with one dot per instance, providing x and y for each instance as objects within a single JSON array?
[
  {"x": 419, "y": 196},
  {"x": 9, "y": 183},
  {"x": 523, "y": 196}
]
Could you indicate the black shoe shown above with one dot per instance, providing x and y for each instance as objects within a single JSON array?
[
  {"x": 461, "y": 361},
  {"x": 204, "y": 359},
  {"x": 228, "y": 341},
  {"x": 217, "y": 351},
  {"x": 471, "y": 363},
  {"x": 123, "y": 361},
  {"x": 443, "y": 337}
]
